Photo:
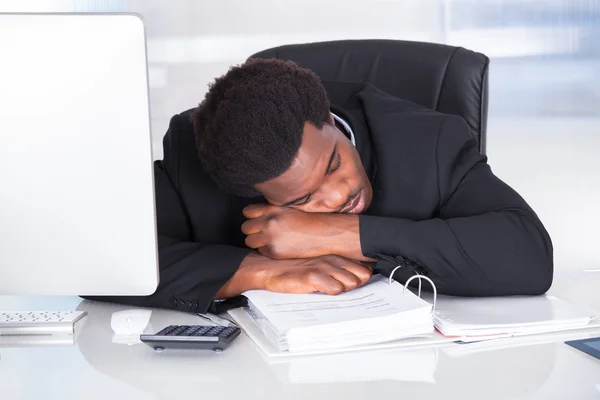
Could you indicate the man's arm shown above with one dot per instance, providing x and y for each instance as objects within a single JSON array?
[{"x": 486, "y": 240}]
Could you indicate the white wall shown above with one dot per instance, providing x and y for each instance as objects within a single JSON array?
[{"x": 544, "y": 122}]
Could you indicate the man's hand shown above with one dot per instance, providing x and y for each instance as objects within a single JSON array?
[
  {"x": 284, "y": 233},
  {"x": 329, "y": 274}
]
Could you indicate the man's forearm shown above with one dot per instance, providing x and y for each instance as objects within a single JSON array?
[
  {"x": 496, "y": 253},
  {"x": 250, "y": 275},
  {"x": 329, "y": 274},
  {"x": 345, "y": 236},
  {"x": 283, "y": 233}
]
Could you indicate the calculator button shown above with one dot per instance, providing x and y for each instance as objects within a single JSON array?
[
  {"x": 165, "y": 331},
  {"x": 189, "y": 331},
  {"x": 229, "y": 332},
  {"x": 194, "y": 329},
  {"x": 225, "y": 332},
  {"x": 176, "y": 331},
  {"x": 214, "y": 331}
]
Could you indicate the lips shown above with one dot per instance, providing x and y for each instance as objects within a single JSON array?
[{"x": 356, "y": 205}]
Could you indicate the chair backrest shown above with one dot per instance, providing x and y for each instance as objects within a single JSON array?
[{"x": 448, "y": 79}]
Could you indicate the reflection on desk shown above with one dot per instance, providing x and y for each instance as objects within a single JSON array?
[
  {"x": 396, "y": 365},
  {"x": 421, "y": 373}
]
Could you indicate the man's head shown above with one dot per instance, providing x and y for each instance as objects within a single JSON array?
[{"x": 265, "y": 128}]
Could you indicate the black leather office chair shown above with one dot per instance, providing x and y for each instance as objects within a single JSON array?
[{"x": 448, "y": 79}]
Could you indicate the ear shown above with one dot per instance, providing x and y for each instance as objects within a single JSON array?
[{"x": 331, "y": 119}]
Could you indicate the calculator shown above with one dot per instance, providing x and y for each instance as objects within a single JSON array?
[{"x": 207, "y": 337}]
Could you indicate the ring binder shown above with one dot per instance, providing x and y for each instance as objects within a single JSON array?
[
  {"x": 392, "y": 274},
  {"x": 390, "y": 278},
  {"x": 373, "y": 313}
]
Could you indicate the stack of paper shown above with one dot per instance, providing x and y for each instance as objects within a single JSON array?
[
  {"x": 474, "y": 319},
  {"x": 520, "y": 340},
  {"x": 254, "y": 333},
  {"x": 375, "y": 313}
]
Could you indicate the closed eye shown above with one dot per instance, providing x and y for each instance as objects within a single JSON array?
[
  {"x": 335, "y": 165},
  {"x": 303, "y": 202}
]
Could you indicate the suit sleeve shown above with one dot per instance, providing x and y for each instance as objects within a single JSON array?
[
  {"x": 191, "y": 273},
  {"x": 485, "y": 239}
]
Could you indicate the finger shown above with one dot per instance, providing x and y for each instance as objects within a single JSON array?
[
  {"x": 346, "y": 278},
  {"x": 360, "y": 271},
  {"x": 255, "y": 210},
  {"x": 252, "y": 226},
  {"x": 291, "y": 283},
  {"x": 255, "y": 241},
  {"x": 273, "y": 252},
  {"x": 325, "y": 283},
  {"x": 265, "y": 251}
]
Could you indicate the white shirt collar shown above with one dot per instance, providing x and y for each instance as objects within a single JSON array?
[{"x": 346, "y": 127}]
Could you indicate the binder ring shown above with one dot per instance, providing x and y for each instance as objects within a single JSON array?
[
  {"x": 410, "y": 279},
  {"x": 392, "y": 274},
  {"x": 426, "y": 278}
]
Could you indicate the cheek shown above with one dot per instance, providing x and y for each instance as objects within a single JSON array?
[
  {"x": 354, "y": 170},
  {"x": 311, "y": 208}
]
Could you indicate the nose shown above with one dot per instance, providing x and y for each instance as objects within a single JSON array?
[{"x": 335, "y": 195}]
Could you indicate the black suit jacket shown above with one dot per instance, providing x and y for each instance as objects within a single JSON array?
[{"x": 437, "y": 209}]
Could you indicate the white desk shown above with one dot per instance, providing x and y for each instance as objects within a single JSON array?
[{"x": 97, "y": 368}]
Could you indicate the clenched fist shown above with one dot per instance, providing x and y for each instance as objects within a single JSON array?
[{"x": 328, "y": 274}]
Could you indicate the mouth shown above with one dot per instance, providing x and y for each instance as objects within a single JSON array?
[{"x": 356, "y": 204}]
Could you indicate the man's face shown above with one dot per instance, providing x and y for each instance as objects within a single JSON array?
[{"x": 327, "y": 176}]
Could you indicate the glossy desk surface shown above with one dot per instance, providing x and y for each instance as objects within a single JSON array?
[{"x": 100, "y": 365}]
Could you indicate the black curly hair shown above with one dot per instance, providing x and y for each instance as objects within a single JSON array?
[{"x": 249, "y": 126}]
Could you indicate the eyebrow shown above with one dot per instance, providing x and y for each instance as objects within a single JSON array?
[{"x": 299, "y": 199}]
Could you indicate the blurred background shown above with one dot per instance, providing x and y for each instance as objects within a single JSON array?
[{"x": 544, "y": 104}]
